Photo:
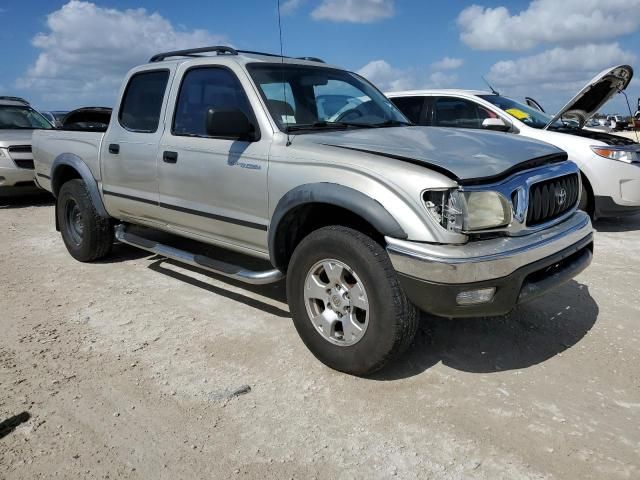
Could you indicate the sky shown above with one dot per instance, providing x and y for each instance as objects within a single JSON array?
[{"x": 67, "y": 54}]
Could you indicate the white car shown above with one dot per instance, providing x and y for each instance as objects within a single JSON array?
[{"x": 610, "y": 164}]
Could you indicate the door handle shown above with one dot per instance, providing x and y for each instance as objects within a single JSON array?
[
  {"x": 114, "y": 148},
  {"x": 170, "y": 157}
]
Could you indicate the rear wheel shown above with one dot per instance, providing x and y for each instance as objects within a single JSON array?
[
  {"x": 346, "y": 301},
  {"x": 87, "y": 235}
]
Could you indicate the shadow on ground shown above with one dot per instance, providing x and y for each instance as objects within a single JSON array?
[
  {"x": 530, "y": 335},
  {"x": 10, "y": 424},
  {"x": 26, "y": 201},
  {"x": 622, "y": 224}
]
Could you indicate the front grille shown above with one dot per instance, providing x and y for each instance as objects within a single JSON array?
[
  {"x": 20, "y": 149},
  {"x": 552, "y": 198},
  {"x": 28, "y": 164}
]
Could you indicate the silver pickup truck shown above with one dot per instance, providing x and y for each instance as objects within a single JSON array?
[{"x": 369, "y": 217}]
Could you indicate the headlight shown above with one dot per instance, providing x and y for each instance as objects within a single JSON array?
[
  {"x": 461, "y": 211},
  {"x": 628, "y": 154}
]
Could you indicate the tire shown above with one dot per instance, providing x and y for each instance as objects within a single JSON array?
[
  {"x": 356, "y": 343},
  {"x": 586, "y": 202},
  {"x": 87, "y": 235}
]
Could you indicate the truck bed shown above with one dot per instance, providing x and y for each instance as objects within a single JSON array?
[{"x": 51, "y": 144}]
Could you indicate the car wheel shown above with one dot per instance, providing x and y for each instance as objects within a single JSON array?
[
  {"x": 586, "y": 202},
  {"x": 346, "y": 301},
  {"x": 87, "y": 235}
]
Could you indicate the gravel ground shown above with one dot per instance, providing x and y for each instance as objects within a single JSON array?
[{"x": 135, "y": 367}]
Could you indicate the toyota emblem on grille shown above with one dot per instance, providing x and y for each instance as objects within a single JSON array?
[{"x": 561, "y": 196}]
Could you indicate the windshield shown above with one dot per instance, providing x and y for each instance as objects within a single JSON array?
[
  {"x": 21, "y": 118},
  {"x": 312, "y": 98},
  {"x": 527, "y": 115}
]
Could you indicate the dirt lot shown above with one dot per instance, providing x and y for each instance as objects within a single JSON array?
[{"x": 138, "y": 368}]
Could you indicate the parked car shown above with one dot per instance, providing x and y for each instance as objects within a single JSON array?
[
  {"x": 367, "y": 216},
  {"x": 610, "y": 164},
  {"x": 17, "y": 122},
  {"x": 55, "y": 117},
  {"x": 87, "y": 118},
  {"x": 617, "y": 123}
]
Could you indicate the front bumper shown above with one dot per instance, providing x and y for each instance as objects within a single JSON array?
[{"x": 519, "y": 268}]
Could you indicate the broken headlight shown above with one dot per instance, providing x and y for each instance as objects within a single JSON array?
[{"x": 460, "y": 211}]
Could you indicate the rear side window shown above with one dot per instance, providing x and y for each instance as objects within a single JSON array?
[
  {"x": 207, "y": 88},
  {"x": 459, "y": 113},
  {"x": 142, "y": 102},
  {"x": 410, "y": 106}
]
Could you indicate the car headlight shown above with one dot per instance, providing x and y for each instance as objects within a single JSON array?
[
  {"x": 461, "y": 211},
  {"x": 627, "y": 153}
]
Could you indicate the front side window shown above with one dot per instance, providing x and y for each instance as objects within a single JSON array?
[
  {"x": 142, "y": 102},
  {"x": 20, "y": 117},
  {"x": 459, "y": 113},
  {"x": 306, "y": 98},
  {"x": 203, "y": 89},
  {"x": 527, "y": 115}
]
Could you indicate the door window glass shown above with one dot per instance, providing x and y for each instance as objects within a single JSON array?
[
  {"x": 142, "y": 102},
  {"x": 203, "y": 89},
  {"x": 410, "y": 106},
  {"x": 460, "y": 113}
]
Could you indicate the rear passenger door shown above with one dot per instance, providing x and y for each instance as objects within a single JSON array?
[
  {"x": 130, "y": 147},
  {"x": 412, "y": 107},
  {"x": 213, "y": 187}
]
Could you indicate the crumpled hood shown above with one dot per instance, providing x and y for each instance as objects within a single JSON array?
[
  {"x": 15, "y": 137},
  {"x": 461, "y": 154}
]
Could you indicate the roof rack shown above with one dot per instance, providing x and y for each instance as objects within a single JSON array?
[
  {"x": 15, "y": 99},
  {"x": 194, "y": 52},
  {"x": 220, "y": 50}
]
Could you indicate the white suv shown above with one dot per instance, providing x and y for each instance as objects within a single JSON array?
[
  {"x": 17, "y": 122},
  {"x": 610, "y": 164}
]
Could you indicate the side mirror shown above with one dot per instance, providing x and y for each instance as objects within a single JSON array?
[
  {"x": 496, "y": 124},
  {"x": 232, "y": 124}
]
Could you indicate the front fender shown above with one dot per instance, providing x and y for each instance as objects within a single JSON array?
[{"x": 338, "y": 195}]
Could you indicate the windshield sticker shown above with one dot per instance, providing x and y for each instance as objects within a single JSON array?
[
  {"x": 287, "y": 119},
  {"x": 517, "y": 113}
]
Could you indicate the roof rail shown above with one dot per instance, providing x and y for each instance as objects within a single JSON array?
[
  {"x": 193, "y": 52},
  {"x": 15, "y": 99}
]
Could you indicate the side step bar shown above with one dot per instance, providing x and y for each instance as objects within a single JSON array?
[{"x": 200, "y": 261}]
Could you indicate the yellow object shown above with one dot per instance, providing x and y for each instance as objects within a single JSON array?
[{"x": 517, "y": 113}]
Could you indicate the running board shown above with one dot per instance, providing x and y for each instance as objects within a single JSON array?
[{"x": 200, "y": 261}]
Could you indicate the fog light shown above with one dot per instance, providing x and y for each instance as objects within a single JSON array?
[{"x": 474, "y": 297}]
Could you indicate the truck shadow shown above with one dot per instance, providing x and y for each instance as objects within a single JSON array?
[
  {"x": 10, "y": 424},
  {"x": 26, "y": 201},
  {"x": 622, "y": 224},
  {"x": 530, "y": 335}
]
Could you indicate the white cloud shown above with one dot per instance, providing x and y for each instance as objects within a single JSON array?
[
  {"x": 290, "y": 6},
  {"x": 560, "y": 68},
  {"x": 447, "y": 63},
  {"x": 565, "y": 22},
  {"x": 389, "y": 78},
  {"x": 554, "y": 76},
  {"x": 88, "y": 49},
  {"x": 354, "y": 11}
]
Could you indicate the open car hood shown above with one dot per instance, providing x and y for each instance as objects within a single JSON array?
[{"x": 594, "y": 94}]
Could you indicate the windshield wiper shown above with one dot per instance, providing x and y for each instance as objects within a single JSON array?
[{"x": 325, "y": 126}]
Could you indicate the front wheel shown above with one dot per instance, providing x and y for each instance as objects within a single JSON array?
[
  {"x": 86, "y": 234},
  {"x": 346, "y": 301}
]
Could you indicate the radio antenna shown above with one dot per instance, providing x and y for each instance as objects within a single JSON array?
[
  {"x": 490, "y": 87},
  {"x": 284, "y": 89}
]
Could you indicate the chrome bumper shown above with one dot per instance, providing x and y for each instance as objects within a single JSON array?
[{"x": 487, "y": 259}]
